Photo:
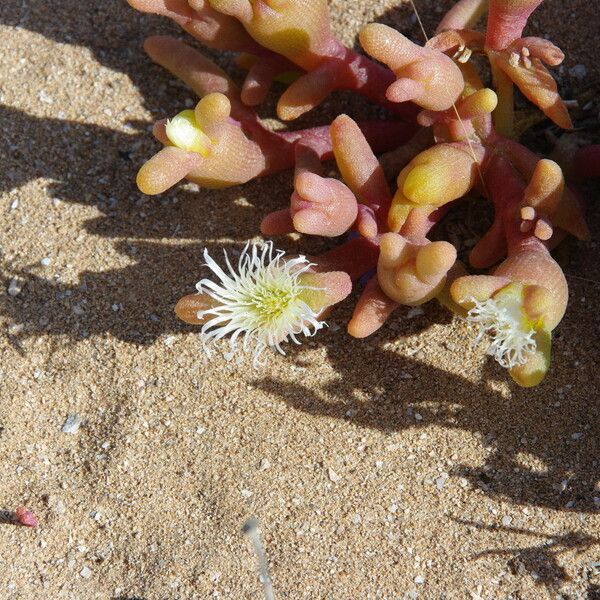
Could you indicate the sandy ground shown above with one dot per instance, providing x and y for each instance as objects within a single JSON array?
[{"x": 402, "y": 466}]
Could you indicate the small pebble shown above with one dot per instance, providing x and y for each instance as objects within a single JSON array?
[
  {"x": 579, "y": 71},
  {"x": 57, "y": 506},
  {"x": 71, "y": 424},
  {"x": 15, "y": 286},
  {"x": 45, "y": 97},
  {"x": 246, "y": 493},
  {"x": 45, "y": 261},
  {"x": 419, "y": 579},
  {"x": 26, "y": 517},
  {"x": 264, "y": 464},
  {"x": 506, "y": 520},
  {"x": 78, "y": 309},
  {"x": 86, "y": 572},
  {"x": 15, "y": 328},
  {"x": 333, "y": 476}
]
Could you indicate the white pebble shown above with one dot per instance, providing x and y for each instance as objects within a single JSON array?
[
  {"x": 45, "y": 97},
  {"x": 418, "y": 417},
  {"x": 58, "y": 506},
  {"x": 71, "y": 424},
  {"x": 246, "y": 493},
  {"x": 506, "y": 520},
  {"x": 419, "y": 579},
  {"x": 264, "y": 464},
  {"x": 15, "y": 328},
  {"x": 333, "y": 476},
  {"x": 45, "y": 261},
  {"x": 15, "y": 286},
  {"x": 86, "y": 572}
]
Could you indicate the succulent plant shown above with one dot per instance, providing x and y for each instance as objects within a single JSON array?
[{"x": 447, "y": 136}]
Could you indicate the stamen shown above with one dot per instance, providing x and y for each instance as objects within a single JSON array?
[
  {"x": 502, "y": 319},
  {"x": 464, "y": 55},
  {"x": 525, "y": 57},
  {"x": 514, "y": 59}
]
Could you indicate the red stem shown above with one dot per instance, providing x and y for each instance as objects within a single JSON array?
[
  {"x": 356, "y": 257},
  {"x": 506, "y": 21},
  {"x": 279, "y": 147}
]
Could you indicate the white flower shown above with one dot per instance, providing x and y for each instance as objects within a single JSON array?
[
  {"x": 261, "y": 302},
  {"x": 502, "y": 318}
]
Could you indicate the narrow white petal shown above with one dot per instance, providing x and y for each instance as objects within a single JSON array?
[{"x": 260, "y": 303}]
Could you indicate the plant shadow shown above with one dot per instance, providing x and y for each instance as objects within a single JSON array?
[
  {"x": 554, "y": 427},
  {"x": 538, "y": 560}
]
